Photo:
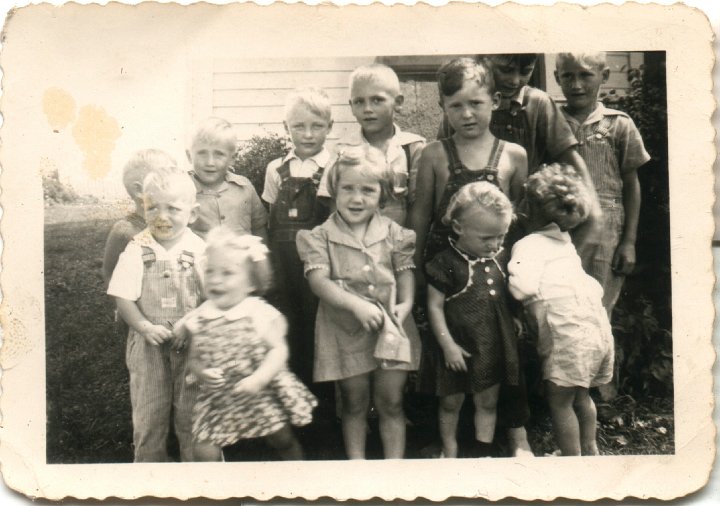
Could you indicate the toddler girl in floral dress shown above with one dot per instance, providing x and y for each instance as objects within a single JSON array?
[{"x": 238, "y": 354}]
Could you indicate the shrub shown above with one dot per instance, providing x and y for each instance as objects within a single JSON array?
[
  {"x": 55, "y": 192},
  {"x": 643, "y": 316},
  {"x": 253, "y": 156}
]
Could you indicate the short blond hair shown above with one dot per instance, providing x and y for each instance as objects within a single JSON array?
[
  {"x": 597, "y": 60},
  {"x": 482, "y": 194},
  {"x": 366, "y": 160},
  {"x": 376, "y": 73},
  {"x": 216, "y": 130},
  {"x": 171, "y": 179},
  {"x": 140, "y": 164},
  {"x": 314, "y": 99}
]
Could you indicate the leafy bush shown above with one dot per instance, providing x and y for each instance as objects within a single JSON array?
[
  {"x": 643, "y": 315},
  {"x": 253, "y": 156},
  {"x": 56, "y": 192}
]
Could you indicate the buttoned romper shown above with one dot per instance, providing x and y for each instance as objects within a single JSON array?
[
  {"x": 158, "y": 390},
  {"x": 479, "y": 319}
]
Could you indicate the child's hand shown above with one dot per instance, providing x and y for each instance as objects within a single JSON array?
[
  {"x": 369, "y": 315},
  {"x": 402, "y": 311},
  {"x": 624, "y": 259},
  {"x": 179, "y": 338},
  {"x": 156, "y": 334},
  {"x": 455, "y": 357},
  {"x": 213, "y": 377},
  {"x": 250, "y": 385}
]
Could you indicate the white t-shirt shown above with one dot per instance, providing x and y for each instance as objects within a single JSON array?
[{"x": 126, "y": 281}]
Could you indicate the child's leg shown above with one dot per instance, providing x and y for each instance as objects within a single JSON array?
[
  {"x": 564, "y": 419},
  {"x": 448, "y": 415},
  {"x": 205, "y": 451},
  {"x": 151, "y": 398},
  {"x": 286, "y": 444},
  {"x": 355, "y": 394},
  {"x": 486, "y": 413},
  {"x": 183, "y": 400},
  {"x": 587, "y": 417},
  {"x": 388, "y": 399}
]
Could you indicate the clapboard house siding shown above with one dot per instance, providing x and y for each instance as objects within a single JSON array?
[{"x": 251, "y": 93}]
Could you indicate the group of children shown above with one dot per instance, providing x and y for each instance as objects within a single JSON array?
[{"x": 478, "y": 232}]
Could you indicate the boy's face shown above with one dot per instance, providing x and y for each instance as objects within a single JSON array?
[
  {"x": 469, "y": 110},
  {"x": 167, "y": 214},
  {"x": 580, "y": 84},
  {"x": 374, "y": 107},
  {"x": 307, "y": 130},
  {"x": 509, "y": 76},
  {"x": 211, "y": 161}
]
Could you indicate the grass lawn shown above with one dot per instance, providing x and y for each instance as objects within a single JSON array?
[{"x": 88, "y": 405}]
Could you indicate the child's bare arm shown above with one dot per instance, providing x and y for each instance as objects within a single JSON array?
[
  {"x": 422, "y": 208},
  {"x": 405, "y": 294},
  {"x": 131, "y": 314},
  {"x": 368, "y": 314},
  {"x": 454, "y": 353},
  {"x": 274, "y": 361},
  {"x": 519, "y": 164},
  {"x": 624, "y": 259}
]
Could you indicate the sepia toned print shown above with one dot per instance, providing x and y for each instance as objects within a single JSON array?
[{"x": 66, "y": 346}]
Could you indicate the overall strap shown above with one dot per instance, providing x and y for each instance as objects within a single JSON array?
[
  {"x": 186, "y": 258},
  {"x": 406, "y": 148},
  {"x": 495, "y": 154},
  {"x": 317, "y": 176},
  {"x": 603, "y": 126},
  {"x": 148, "y": 256},
  {"x": 452, "y": 154},
  {"x": 284, "y": 171}
]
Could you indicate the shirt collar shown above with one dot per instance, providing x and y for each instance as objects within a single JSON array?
[
  {"x": 209, "y": 311},
  {"x": 145, "y": 238},
  {"x": 320, "y": 158},
  {"x": 514, "y": 102},
  {"x": 355, "y": 137},
  {"x": 230, "y": 177},
  {"x": 552, "y": 230},
  {"x": 339, "y": 231}
]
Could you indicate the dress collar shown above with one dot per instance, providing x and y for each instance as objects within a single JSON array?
[
  {"x": 468, "y": 256},
  {"x": 209, "y": 311},
  {"x": 339, "y": 232}
]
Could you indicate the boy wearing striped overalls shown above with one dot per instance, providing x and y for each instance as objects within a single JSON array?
[
  {"x": 155, "y": 283},
  {"x": 613, "y": 151}
]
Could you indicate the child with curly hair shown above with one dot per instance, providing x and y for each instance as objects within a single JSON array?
[{"x": 564, "y": 304}]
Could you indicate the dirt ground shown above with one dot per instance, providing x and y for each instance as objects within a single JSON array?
[{"x": 88, "y": 406}]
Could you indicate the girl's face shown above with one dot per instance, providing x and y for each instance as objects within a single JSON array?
[
  {"x": 227, "y": 280},
  {"x": 469, "y": 110},
  {"x": 357, "y": 197},
  {"x": 481, "y": 232}
]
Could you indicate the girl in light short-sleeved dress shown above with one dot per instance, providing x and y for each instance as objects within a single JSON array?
[
  {"x": 239, "y": 356},
  {"x": 359, "y": 264},
  {"x": 564, "y": 303}
]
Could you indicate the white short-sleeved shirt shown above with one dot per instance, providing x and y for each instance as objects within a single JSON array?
[
  {"x": 298, "y": 168},
  {"x": 126, "y": 281}
]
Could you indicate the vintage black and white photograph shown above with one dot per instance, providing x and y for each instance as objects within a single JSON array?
[{"x": 427, "y": 254}]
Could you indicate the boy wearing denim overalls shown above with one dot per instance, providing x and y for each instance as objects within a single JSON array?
[
  {"x": 613, "y": 151},
  {"x": 155, "y": 283},
  {"x": 290, "y": 189}
]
